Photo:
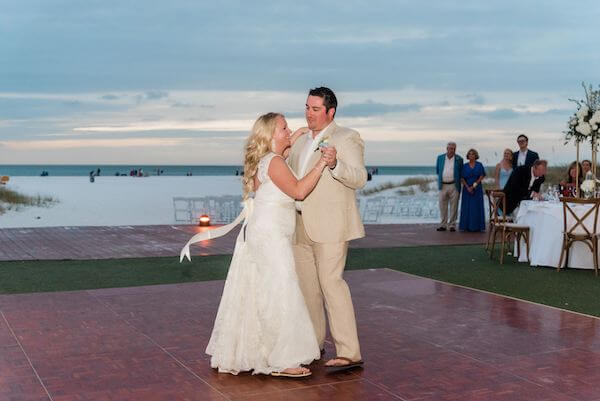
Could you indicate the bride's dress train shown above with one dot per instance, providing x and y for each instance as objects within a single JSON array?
[{"x": 263, "y": 323}]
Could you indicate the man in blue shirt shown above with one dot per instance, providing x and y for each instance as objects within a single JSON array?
[{"x": 448, "y": 169}]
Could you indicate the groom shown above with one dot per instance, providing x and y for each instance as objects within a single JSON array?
[{"x": 326, "y": 220}]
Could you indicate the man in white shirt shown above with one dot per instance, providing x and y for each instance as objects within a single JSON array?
[
  {"x": 524, "y": 156},
  {"x": 327, "y": 219},
  {"x": 448, "y": 169}
]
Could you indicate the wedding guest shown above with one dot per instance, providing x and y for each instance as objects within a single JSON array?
[
  {"x": 586, "y": 166},
  {"x": 504, "y": 169},
  {"x": 472, "y": 214},
  {"x": 567, "y": 186},
  {"x": 524, "y": 156},
  {"x": 448, "y": 168},
  {"x": 524, "y": 183}
]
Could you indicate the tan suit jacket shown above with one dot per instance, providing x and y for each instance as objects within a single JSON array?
[{"x": 330, "y": 213}]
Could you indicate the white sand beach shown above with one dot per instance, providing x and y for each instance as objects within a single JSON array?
[{"x": 114, "y": 200}]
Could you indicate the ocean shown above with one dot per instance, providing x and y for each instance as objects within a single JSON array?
[{"x": 171, "y": 170}]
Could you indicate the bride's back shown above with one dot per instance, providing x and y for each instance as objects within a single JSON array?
[{"x": 267, "y": 190}]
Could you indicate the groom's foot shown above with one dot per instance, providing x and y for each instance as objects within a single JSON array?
[{"x": 340, "y": 363}]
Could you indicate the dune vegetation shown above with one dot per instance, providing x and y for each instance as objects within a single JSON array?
[{"x": 13, "y": 200}]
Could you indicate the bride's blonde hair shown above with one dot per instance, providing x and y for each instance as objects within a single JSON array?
[{"x": 258, "y": 145}]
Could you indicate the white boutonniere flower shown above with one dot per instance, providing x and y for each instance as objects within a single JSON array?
[{"x": 323, "y": 143}]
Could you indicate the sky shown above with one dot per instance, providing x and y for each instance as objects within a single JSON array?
[{"x": 181, "y": 82}]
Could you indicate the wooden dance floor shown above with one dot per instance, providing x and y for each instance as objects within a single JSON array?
[{"x": 421, "y": 340}]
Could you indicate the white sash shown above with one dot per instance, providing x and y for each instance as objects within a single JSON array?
[{"x": 220, "y": 231}]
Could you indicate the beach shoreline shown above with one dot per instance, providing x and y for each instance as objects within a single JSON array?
[{"x": 122, "y": 201}]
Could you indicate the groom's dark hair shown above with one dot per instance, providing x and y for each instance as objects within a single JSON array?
[{"x": 329, "y": 99}]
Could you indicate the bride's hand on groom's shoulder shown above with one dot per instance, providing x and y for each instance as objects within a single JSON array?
[{"x": 296, "y": 134}]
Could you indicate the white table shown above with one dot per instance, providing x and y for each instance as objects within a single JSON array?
[{"x": 545, "y": 221}]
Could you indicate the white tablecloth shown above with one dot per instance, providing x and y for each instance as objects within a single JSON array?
[{"x": 545, "y": 221}]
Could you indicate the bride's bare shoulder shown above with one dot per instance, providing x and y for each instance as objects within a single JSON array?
[{"x": 277, "y": 163}]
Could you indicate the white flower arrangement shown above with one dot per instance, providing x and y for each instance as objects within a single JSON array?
[
  {"x": 595, "y": 120},
  {"x": 588, "y": 185},
  {"x": 584, "y": 124}
]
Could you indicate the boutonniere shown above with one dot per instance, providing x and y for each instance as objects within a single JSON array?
[{"x": 323, "y": 143}]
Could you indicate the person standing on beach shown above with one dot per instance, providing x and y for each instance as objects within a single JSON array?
[
  {"x": 326, "y": 220},
  {"x": 448, "y": 168}
]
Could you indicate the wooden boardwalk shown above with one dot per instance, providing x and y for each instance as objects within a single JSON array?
[{"x": 115, "y": 242}]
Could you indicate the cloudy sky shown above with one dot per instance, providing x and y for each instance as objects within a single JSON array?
[{"x": 181, "y": 81}]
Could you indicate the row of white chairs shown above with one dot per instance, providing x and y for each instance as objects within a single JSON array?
[
  {"x": 380, "y": 208},
  {"x": 221, "y": 209},
  {"x": 224, "y": 209}
]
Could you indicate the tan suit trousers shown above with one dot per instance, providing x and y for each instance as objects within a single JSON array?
[
  {"x": 449, "y": 198},
  {"x": 320, "y": 268}
]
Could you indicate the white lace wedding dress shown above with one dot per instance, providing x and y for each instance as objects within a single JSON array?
[{"x": 263, "y": 323}]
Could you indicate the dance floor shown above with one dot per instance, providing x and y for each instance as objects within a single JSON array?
[{"x": 421, "y": 340}]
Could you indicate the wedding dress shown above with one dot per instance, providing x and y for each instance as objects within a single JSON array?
[{"x": 263, "y": 324}]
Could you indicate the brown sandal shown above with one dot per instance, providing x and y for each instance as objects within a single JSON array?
[{"x": 340, "y": 368}]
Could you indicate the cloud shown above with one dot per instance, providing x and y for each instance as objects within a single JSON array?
[
  {"x": 473, "y": 98},
  {"x": 92, "y": 143},
  {"x": 39, "y": 107},
  {"x": 190, "y": 105},
  {"x": 182, "y": 44},
  {"x": 153, "y": 95},
  {"x": 150, "y": 96},
  {"x": 510, "y": 113},
  {"x": 109, "y": 97},
  {"x": 371, "y": 108},
  {"x": 498, "y": 114},
  {"x": 215, "y": 125}
]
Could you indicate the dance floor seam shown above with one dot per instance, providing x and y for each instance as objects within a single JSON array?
[
  {"x": 421, "y": 339},
  {"x": 18, "y": 344}
]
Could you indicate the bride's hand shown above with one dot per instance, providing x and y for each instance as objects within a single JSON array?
[
  {"x": 322, "y": 162},
  {"x": 296, "y": 134}
]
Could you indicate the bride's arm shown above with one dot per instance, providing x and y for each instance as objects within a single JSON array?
[
  {"x": 293, "y": 138},
  {"x": 282, "y": 176},
  {"x": 296, "y": 134}
]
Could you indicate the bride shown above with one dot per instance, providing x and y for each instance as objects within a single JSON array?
[{"x": 263, "y": 323}]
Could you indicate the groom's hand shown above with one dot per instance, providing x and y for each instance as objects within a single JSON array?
[{"x": 330, "y": 156}]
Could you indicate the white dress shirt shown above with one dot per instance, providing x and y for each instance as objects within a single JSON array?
[
  {"x": 522, "y": 157},
  {"x": 448, "y": 174},
  {"x": 310, "y": 146},
  {"x": 533, "y": 178}
]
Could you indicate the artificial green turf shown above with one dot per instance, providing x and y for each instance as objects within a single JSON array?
[{"x": 577, "y": 290}]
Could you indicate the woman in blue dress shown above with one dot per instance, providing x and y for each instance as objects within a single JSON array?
[
  {"x": 472, "y": 215},
  {"x": 504, "y": 169}
]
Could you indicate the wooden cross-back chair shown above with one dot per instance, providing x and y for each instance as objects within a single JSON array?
[
  {"x": 494, "y": 206},
  {"x": 579, "y": 231},
  {"x": 500, "y": 223}
]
